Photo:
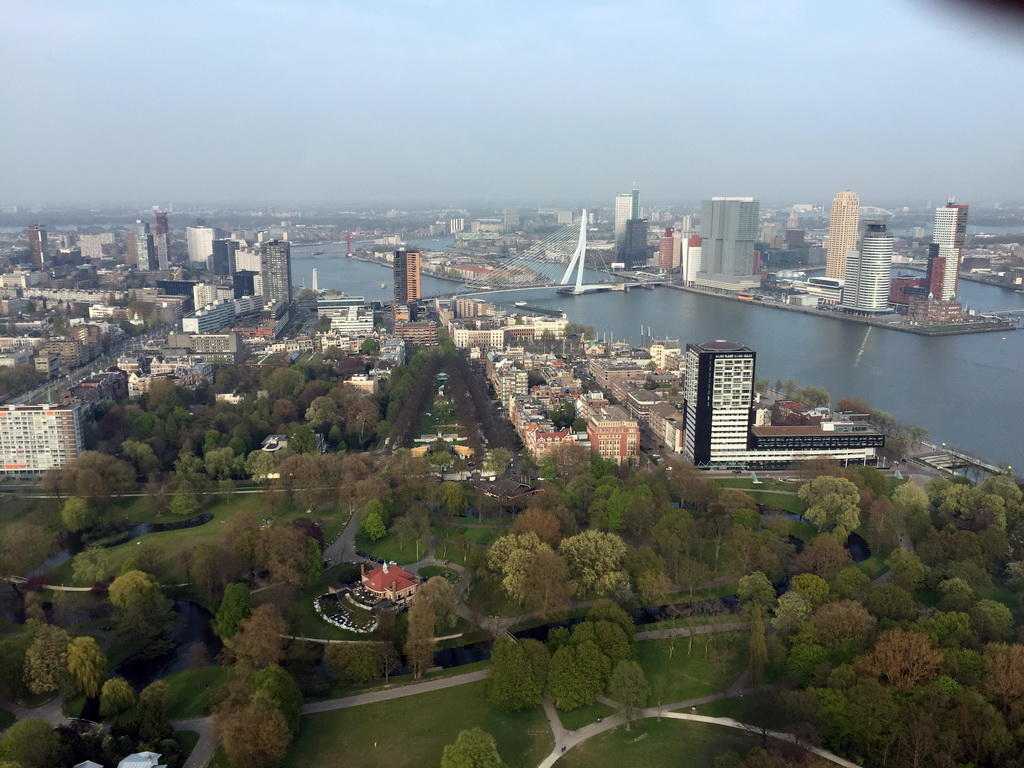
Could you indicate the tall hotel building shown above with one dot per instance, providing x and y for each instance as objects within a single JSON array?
[
  {"x": 869, "y": 271},
  {"x": 407, "y": 276},
  {"x": 719, "y": 392},
  {"x": 946, "y": 250},
  {"x": 276, "y": 271},
  {"x": 35, "y": 438},
  {"x": 842, "y": 232}
]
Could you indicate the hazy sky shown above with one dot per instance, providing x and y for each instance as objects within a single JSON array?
[{"x": 306, "y": 101}]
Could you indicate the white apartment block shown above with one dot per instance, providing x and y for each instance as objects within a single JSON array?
[{"x": 35, "y": 438}]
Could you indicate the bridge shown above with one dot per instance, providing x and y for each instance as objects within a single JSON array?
[{"x": 558, "y": 261}]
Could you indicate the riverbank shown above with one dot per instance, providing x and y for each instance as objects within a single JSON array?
[{"x": 942, "y": 330}]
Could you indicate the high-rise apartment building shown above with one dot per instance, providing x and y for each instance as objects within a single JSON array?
[
  {"x": 37, "y": 245},
  {"x": 946, "y": 250},
  {"x": 728, "y": 228},
  {"x": 842, "y": 232},
  {"x": 200, "y": 245},
  {"x": 666, "y": 250},
  {"x": 161, "y": 240},
  {"x": 719, "y": 390},
  {"x": 407, "y": 276},
  {"x": 627, "y": 207},
  {"x": 276, "y": 271},
  {"x": 35, "y": 438},
  {"x": 145, "y": 253},
  {"x": 868, "y": 273},
  {"x": 222, "y": 258}
]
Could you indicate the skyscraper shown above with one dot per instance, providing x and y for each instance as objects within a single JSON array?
[
  {"x": 222, "y": 258},
  {"x": 842, "y": 232},
  {"x": 200, "y": 245},
  {"x": 276, "y": 271},
  {"x": 719, "y": 398},
  {"x": 636, "y": 254},
  {"x": 728, "y": 228},
  {"x": 161, "y": 240},
  {"x": 946, "y": 250},
  {"x": 666, "y": 250},
  {"x": 145, "y": 254},
  {"x": 869, "y": 271},
  {"x": 407, "y": 276},
  {"x": 627, "y": 206},
  {"x": 37, "y": 245}
]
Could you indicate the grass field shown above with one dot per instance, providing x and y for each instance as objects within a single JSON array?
[
  {"x": 578, "y": 718},
  {"x": 191, "y": 690},
  {"x": 476, "y": 535},
  {"x": 388, "y": 549},
  {"x": 874, "y": 566},
  {"x": 667, "y": 744},
  {"x": 412, "y": 732},
  {"x": 683, "y": 677}
]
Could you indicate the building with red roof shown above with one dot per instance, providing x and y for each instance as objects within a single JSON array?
[{"x": 390, "y": 582}]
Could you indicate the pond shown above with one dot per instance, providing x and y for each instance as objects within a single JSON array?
[{"x": 194, "y": 625}]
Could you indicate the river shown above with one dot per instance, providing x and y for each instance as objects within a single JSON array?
[{"x": 965, "y": 390}]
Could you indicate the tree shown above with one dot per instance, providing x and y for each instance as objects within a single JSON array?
[
  {"x": 255, "y": 735},
  {"x": 322, "y": 412},
  {"x": 790, "y": 610},
  {"x": 91, "y": 566},
  {"x": 1004, "y": 682},
  {"x": 814, "y": 589},
  {"x": 907, "y": 569},
  {"x": 260, "y": 641},
  {"x": 31, "y": 743},
  {"x": 23, "y": 547},
  {"x": 473, "y": 748},
  {"x": 353, "y": 663},
  {"x": 832, "y": 502},
  {"x": 279, "y": 686},
  {"x": 235, "y": 607},
  {"x": 144, "y": 615},
  {"x": 440, "y": 595},
  {"x": 96, "y": 477},
  {"x": 595, "y": 560},
  {"x": 46, "y": 659},
  {"x": 76, "y": 515},
  {"x": 419, "y": 647},
  {"x": 755, "y": 590},
  {"x": 389, "y": 659},
  {"x": 496, "y": 461},
  {"x": 116, "y": 697},
  {"x": 547, "y": 588},
  {"x": 154, "y": 704},
  {"x": 568, "y": 683},
  {"x": 992, "y": 620},
  {"x": 87, "y": 665},
  {"x": 758, "y": 646},
  {"x": 824, "y": 555},
  {"x": 629, "y": 687},
  {"x": 540, "y": 521},
  {"x": 901, "y": 658},
  {"x": 813, "y": 397},
  {"x": 453, "y": 498},
  {"x": 848, "y": 582},
  {"x": 511, "y": 556},
  {"x": 510, "y": 682},
  {"x": 848, "y": 619}
]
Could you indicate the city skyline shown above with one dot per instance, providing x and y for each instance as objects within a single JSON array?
[{"x": 307, "y": 90}]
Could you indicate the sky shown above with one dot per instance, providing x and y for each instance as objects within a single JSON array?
[{"x": 327, "y": 102}]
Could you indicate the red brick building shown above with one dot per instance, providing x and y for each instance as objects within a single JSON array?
[
  {"x": 390, "y": 582},
  {"x": 614, "y": 435}
]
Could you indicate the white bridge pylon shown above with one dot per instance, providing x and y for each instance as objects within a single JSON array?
[{"x": 579, "y": 255}]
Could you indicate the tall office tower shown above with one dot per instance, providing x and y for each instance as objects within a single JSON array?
[
  {"x": 145, "y": 253},
  {"x": 276, "y": 271},
  {"x": 92, "y": 247},
  {"x": 222, "y": 257},
  {"x": 637, "y": 254},
  {"x": 35, "y": 438},
  {"x": 407, "y": 276},
  {"x": 719, "y": 401},
  {"x": 842, "y": 232},
  {"x": 200, "y": 245},
  {"x": 627, "y": 206},
  {"x": 666, "y": 250},
  {"x": 37, "y": 245},
  {"x": 244, "y": 282},
  {"x": 869, "y": 271},
  {"x": 511, "y": 223},
  {"x": 946, "y": 250},
  {"x": 316, "y": 283},
  {"x": 162, "y": 240},
  {"x": 728, "y": 227},
  {"x": 456, "y": 224}
]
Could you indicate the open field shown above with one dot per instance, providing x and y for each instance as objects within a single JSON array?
[
  {"x": 667, "y": 744},
  {"x": 713, "y": 664},
  {"x": 578, "y": 718},
  {"x": 412, "y": 732},
  {"x": 191, "y": 690}
]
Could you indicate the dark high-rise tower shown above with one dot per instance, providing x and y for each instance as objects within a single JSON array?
[
  {"x": 636, "y": 253},
  {"x": 145, "y": 254},
  {"x": 161, "y": 240},
  {"x": 719, "y": 400},
  {"x": 223, "y": 259},
  {"x": 37, "y": 245},
  {"x": 276, "y": 270},
  {"x": 407, "y": 276}
]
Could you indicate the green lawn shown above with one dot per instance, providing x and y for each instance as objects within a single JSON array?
[
  {"x": 578, "y": 718},
  {"x": 874, "y": 566},
  {"x": 429, "y": 571},
  {"x": 476, "y": 535},
  {"x": 688, "y": 677},
  {"x": 452, "y": 552},
  {"x": 26, "y": 509},
  {"x": 191, "y": 690},
  {"x": 724, "y": 708},
  {"x": 413, "y": 731},
  {"x": 667, "y": 744},
  {"x": 389, "y": 549},
  {"x": 780, "y": 500},
  {"x": 746, "y": 484}
]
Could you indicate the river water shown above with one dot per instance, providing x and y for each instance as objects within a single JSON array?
[{"x": 966, "y": 390}]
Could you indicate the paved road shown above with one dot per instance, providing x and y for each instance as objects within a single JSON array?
[{"x": 396, "y": 692}]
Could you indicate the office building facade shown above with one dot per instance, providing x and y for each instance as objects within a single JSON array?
[
  {"x": 199, "y": 241},
  {"x": 842, "y": 232},
  {"x": 637, "y": 255},
  {"x": 728, "y": 229},
  {"x": 719, "y": 390},
  {"x": 161, "y": 240},
  {"x": 35, "y": 438},
  {"x": 37, "y": 245},
  {"x": 946, "y": 251},
  {"x": 407, "y": 276},
  {"x": 222, "y": 257},
  {"x": 869, "y": 271},
  {"x": 627, "y": 207},
  {"x": 276, "y": 271}
]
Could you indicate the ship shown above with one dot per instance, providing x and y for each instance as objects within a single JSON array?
[
  {"x": 383, "y": 285},
  {"x": 520, "y": 303},
  {"x": 318, "y": 253}
]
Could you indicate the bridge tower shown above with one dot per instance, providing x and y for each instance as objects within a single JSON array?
[{"x": 580, "y": 254}]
